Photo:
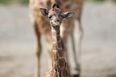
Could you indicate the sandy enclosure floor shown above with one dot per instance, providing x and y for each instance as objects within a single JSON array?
[{"x": 17, "y": 42}]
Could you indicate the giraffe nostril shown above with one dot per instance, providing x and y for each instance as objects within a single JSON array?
[{"x": 58, "y": 20}]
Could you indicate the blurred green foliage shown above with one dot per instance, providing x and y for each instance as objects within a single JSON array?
[
  {"x": 14, "y": 1},
  {"x": 5, "y": 1},
  {"x": 26, "y": 1}
]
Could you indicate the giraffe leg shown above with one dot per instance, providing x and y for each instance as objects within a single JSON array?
[
  {"x": 77, "y": 53},
  {"x": 65, "y": 49},
  {"x": 49, "y": 44},
  {"x": 66, "y": 53},
  {"x": 38, "y": 51}
]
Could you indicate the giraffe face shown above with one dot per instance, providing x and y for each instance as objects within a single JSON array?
[{"x": 55, "y": 15}]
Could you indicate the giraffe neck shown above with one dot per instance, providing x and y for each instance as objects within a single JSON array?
[
  {"x": 58, "y": 60},
  {"x": 59, "y": 64},
  {"x": 56, "y": 39}
]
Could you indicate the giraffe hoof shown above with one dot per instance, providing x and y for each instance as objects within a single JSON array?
[{"x": 75, "y": 75}]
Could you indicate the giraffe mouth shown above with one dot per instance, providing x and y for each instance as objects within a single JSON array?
[{"x": 56, "y": 24}]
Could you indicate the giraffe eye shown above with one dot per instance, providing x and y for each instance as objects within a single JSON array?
[
  {"x": 61, "y": 16},
  {"x": 50, "y": 17}
]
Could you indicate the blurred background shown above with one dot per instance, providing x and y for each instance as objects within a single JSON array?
[{"x": 17, "y": 39}]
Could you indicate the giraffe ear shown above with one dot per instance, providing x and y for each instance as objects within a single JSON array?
[
  {"x": 44, "y": 11},
  {"x": 67, "y": 14}
]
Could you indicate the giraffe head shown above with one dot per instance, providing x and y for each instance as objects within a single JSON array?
[{"x": 55, "y": 15}]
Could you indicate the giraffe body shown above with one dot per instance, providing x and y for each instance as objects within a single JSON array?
[{"x": 42, "y": 26}]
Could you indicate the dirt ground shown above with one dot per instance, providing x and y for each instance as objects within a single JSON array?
[{"x": 17, "y": 42}]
